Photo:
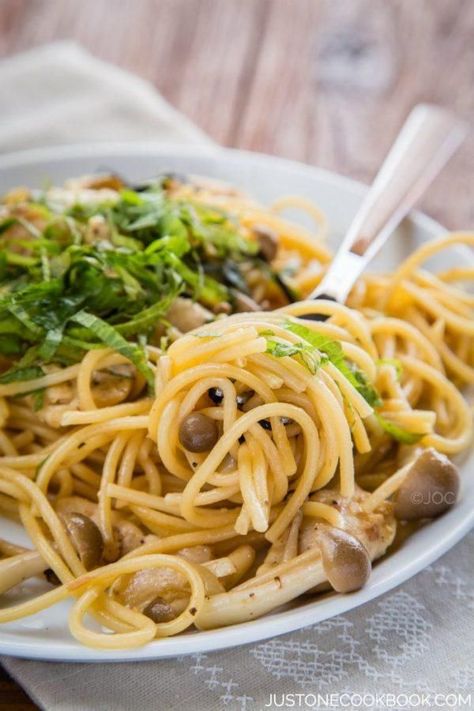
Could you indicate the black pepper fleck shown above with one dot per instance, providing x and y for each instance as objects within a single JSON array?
[{"x": 216, "y": 395}]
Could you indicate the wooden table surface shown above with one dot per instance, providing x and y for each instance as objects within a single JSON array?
[{"x": 328, "y": 82}]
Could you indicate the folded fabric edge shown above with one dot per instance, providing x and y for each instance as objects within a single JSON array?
[{"x": 67, "y": 53}]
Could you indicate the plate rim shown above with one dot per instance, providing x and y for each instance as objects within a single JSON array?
[
  {"x": 38, "y": 154},
  {"x": 270, "y": 625}
]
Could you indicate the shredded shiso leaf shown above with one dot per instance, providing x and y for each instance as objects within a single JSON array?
[
  {"x": 316, "y": 348},
  {"x": 65, "y": 289}
]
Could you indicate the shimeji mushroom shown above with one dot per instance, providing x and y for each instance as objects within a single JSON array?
[
  {"x": 20, "y": 567},
  {"x": 244, "y": 303},
  {"x": 346, "y": 563},
  {"x": 159, "y": 610},
  {"x": 162, "y": 593},
  {"x": 127, "y": 535},
  {"x": 267, "y": 241},
  {"x": 366, "y": 537},
  {"x": 186, "y": 315},
  {"x": 198, "y": 433},
  {"x": 85, "y": 537},
  {"x": 430, "y": 487}
]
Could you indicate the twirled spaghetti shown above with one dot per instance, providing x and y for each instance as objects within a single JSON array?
[{"x": 268, "y": 455}]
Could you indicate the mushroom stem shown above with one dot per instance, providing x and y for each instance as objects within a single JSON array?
[
  {"x": 7, "y": 548},
  {"x": 220, "y": 567},
  {"x": 20, "y": 567},
  {"x": 187, "y": 315},
  {"x": 369, "y": 537},
  {"x": 385, "y": 490},
  {"x": 266, "y": 592}
]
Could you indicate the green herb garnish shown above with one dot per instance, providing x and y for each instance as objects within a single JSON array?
[
  {"x": 76, "y": 278},
  {"x": 395, "y": 363},
  {"x": 110, "y": 337},
  {"x": 15, "y": 375},
  {"x": 334, "y": 353},
  {"x": 317, "y": 348},
  {"x": 400, "y": 434},
  {"x": 303, "y": 353}
]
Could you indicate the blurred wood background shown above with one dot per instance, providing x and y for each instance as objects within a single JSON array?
[{"x": 328, "y": 82}]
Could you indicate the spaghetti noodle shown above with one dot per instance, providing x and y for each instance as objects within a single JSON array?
[{"x": 240, "y": 465}]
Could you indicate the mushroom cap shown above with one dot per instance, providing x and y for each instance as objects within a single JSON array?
[
  {"x": 345, "y": 559},
  {"x": 86, "y": 538},
  {"x": 144, "y": 586},
  {"x": 75, "y": 504},
  {"x": 159, "y": 610},
  {"x": 244, "y": 303},
  {"x": 267, "y": 241},
  {"x": 198, "y": 432},
  {"x": 430, "y": 487},
  {"x": 128, "y": 536},
  {"x": 196, "y": 554}
]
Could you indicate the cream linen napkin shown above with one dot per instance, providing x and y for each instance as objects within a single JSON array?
[
  {"x": 60, "y": 94},
  {"x": 412, "y": 643}
]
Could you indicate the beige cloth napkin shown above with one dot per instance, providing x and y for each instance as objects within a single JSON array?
[
  {"x": 60, "y": 94},
  {"x": 414, "y": 642}
]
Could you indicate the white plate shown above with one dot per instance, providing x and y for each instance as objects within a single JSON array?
[{"x": 45, "y": 635}]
